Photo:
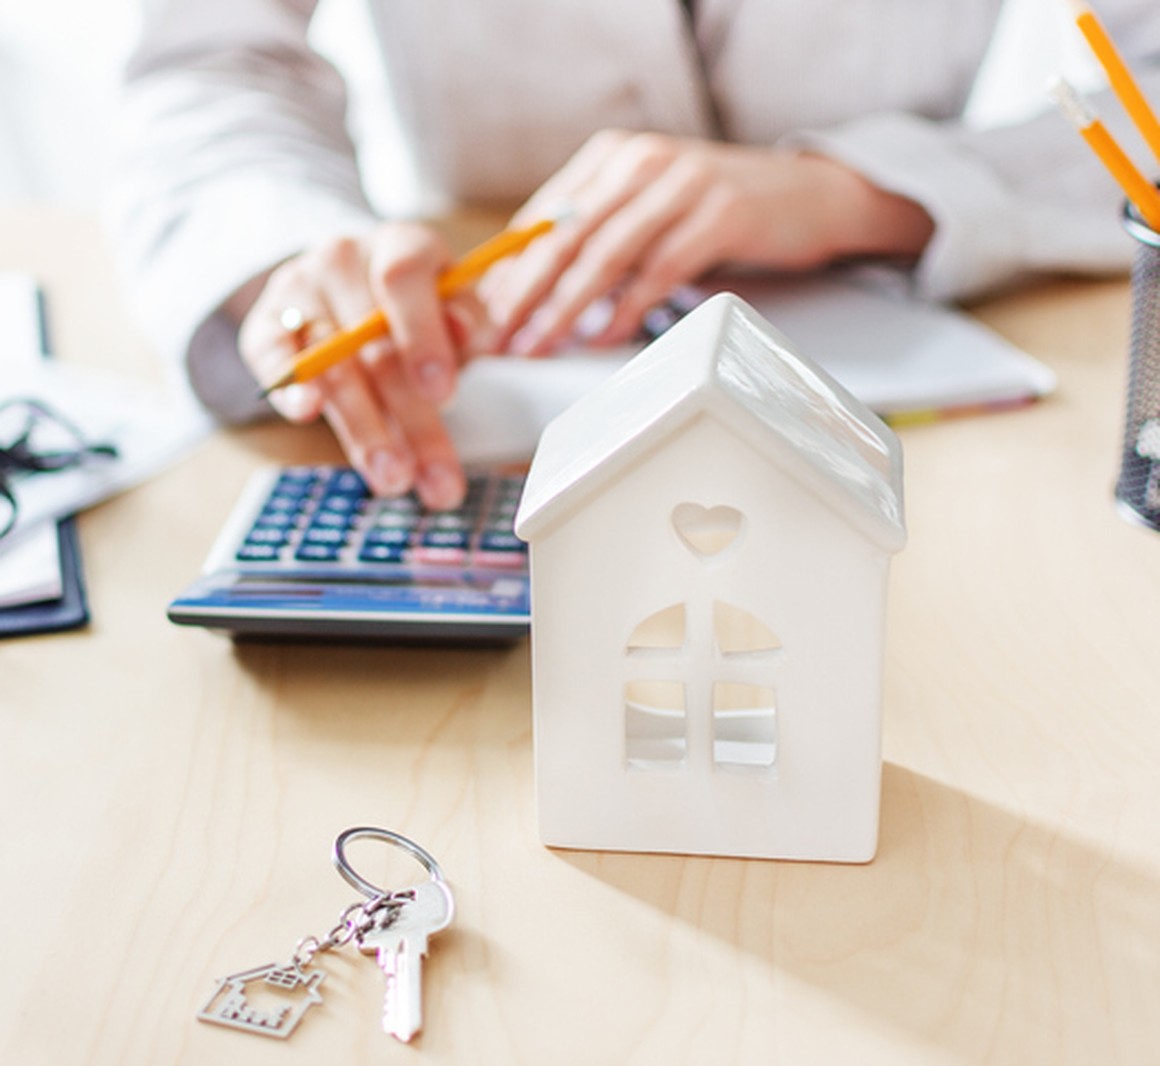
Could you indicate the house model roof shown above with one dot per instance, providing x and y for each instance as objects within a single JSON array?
[{"x": 725, "y": 361}]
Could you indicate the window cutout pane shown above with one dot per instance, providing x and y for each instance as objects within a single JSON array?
[
  {"x": 665, "y": 629},
  {"x": 737, "y": 631},
  {"x": 744, "y": 726},
  {"x": 655, "y": 724}
]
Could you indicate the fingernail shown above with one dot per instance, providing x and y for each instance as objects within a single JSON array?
[
  {"x": 532, "y": 338},
  {"x": 435, "y": 381},
  {"x": 440, "y": 486},
  {"x": 388, "y": 474},
  {"x": 528, "y": 340},
  {"x": 296, "y": 402},
  {"x": 486, "y": 341},
  {"x": 594, "y": 319}
]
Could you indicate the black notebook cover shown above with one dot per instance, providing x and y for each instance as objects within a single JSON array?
[{"x": 71, "y": 610}]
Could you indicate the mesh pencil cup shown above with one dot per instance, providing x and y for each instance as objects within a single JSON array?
[{"x": 1138, "y": 487}]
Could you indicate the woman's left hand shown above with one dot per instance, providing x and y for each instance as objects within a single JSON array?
[{"x": 652, "y": 212}]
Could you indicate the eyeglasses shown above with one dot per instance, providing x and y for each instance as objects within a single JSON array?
[{"x": 35, "y": 439}]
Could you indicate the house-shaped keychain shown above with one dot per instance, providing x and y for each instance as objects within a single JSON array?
[{"x": 711, "y": 532}]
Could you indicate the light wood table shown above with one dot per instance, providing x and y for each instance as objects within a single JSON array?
[{"x": 170, "y": 799}]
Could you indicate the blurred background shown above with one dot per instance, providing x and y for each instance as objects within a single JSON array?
[{"x": 60, "y": 62}]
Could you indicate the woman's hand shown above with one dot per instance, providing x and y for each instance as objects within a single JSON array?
[
  {"x": 384, "y": 402},
  {"x": 654, "y": 211}
]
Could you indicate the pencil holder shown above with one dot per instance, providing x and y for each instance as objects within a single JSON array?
[{"x": 1138, "y": 487}]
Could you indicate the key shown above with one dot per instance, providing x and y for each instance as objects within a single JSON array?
[{"x": 400, "y": 944}]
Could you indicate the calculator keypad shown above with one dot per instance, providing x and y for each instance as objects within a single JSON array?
[{"x": 324, "y": 519}]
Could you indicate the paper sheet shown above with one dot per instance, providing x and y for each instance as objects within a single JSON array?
[
  {"x": 150, "y": 429},
  {"x": 899, "y": 355},
  {"x": 29, "y": 571}
]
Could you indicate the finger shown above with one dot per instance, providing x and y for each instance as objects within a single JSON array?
[
  {"x": 409, "y": 438},
  {"x": 579, "y": 171},
  {"x": 527, "y": 280},
  {"x": 268, "y": 347},
  {"x": 438, "y": 476},
  {"x": 684, "y": 253},
  {"x": 512, "y": 288},
  {"x": 618, "y": 251},
  {"x": 403, "y": 277},
  {"x": 368, "y": 431},
  {"x": 635, "y": 164},
  {"x": 473, "y": 332},
  {"x": 370, "y": 438}
]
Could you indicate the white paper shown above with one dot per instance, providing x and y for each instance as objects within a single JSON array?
[
  {"x": 150, "y": 429},
  {"x": 897, "y": 354},
  {"x": 29, "y": 570}
]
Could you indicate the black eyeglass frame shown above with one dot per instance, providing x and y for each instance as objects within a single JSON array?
[{"x": 19, "y": 458}]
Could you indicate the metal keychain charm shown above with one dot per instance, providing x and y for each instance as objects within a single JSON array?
[{"x": 294, "y": 985}]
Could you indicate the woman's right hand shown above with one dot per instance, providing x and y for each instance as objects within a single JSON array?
[{"x": 383, "y": 403}]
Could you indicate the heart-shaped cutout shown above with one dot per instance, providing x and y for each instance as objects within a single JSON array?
[{"x": 707, "y": 531}]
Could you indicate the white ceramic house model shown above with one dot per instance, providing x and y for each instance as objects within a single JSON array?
[{"x": 711, "y": 532}]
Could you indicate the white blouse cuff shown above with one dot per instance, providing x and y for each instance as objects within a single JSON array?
[{"x": 976, "y": 241}]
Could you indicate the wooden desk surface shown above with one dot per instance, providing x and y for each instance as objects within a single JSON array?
[{"x": 170, "y": 800}]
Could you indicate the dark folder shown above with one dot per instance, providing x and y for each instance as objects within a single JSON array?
[{"x": 71, "y": 610}]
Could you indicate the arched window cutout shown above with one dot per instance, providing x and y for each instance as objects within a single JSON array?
[
  {"x": 744, "y": 726},
  {"x": 665, "y": 629},
  {"x": 655, "y": 723},
  {"x": 738, "y": 632}
]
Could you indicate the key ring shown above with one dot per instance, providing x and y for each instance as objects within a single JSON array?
[{"x": 373, "y": 833}]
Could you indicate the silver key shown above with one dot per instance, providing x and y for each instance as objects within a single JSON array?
[{"x": 400, "y": 942}]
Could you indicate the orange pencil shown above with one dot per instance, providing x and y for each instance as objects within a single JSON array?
[
  {"x": 1142, "y": 193},
  {"x": 1119, "y": 76},
  {"x": 344, "y": 343}
]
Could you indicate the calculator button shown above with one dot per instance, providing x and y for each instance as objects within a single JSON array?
[
  {"x": 437, "y": 556},
  {"x": 501, "y": 541},
  {"x": 337, "y": 519},
  {"x": 400, "y": 504},
  {"x": 504, "y": 510},
  {"x": 298, "y": 473},
  {"x": 390, "y": 519},
  {"x": 381, "y": 553},
  {"x": 293, "y": 486},
  {"x": 324, "y": 535},
  {"x": 444, "y": 538},
  {"x": 275, "y": 519},
  {"x": 257, "y": 553},
  {"x": 346, "y": 482},
  {"x": 500, "y": 560},
  {"x": 387, "y": 536},
  {"x": 282, "y": 501},
  {"x": 318, "y": 553},
  {"x": 267, "y": 535},
  {"x": 340, "y": 503},
  {"x": 449, "y": 520}
]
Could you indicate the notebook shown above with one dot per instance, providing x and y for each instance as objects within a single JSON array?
[
  {"x": 41, "y": 577},
  {"x": 906, "y": 359}
]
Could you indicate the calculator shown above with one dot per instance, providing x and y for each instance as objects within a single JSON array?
[{"x": 308, "y": 552}]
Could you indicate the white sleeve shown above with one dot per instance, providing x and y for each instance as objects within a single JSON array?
[
  {"x": 1013, "y": 200},
  {"x": 233, "y": 155}
]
